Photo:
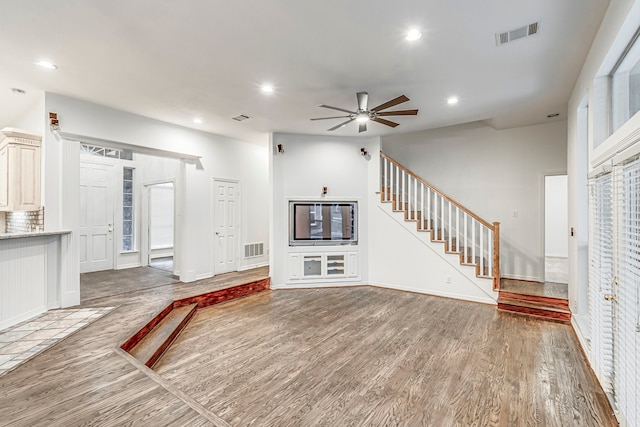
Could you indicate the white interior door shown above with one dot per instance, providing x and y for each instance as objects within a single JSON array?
[
  {"x": 226, "y": 224},
  {"x": 96, "y": 217}
]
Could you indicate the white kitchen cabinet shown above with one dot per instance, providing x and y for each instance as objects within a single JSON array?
[{"x": 19, "y": 170}]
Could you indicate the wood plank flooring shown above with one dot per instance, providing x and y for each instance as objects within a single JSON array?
[
  {"x": 368, "y": 356},
  {"x": 339, "y": 357}
]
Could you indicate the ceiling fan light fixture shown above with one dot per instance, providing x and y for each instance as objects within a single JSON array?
[
  {"x": 46, "y": 64},
  {"x": 362, "y": 118},
  {"x": 413, "y": 35}
]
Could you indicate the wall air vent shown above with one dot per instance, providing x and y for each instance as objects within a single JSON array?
[
  {"x": 240, "y": 118},
  {"x": 518, "y": 33},
  {"x": 253, "y": 250}
]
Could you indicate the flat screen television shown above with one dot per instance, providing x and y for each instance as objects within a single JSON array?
[{"x": 324, "y": 222}]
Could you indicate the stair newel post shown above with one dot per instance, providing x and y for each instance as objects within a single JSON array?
[{"x": 496, "y": 255}]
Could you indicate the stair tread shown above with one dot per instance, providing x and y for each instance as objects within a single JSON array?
[
  {"x": 531, "y": 304},
  {"x": 163, "y": 331}
]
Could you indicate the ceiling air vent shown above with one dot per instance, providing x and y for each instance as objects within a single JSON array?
[
  {"x": 518, "y": 33},
  {"x": 240, "y": 118}
]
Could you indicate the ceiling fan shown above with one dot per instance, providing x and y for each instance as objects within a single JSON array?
[{"x": 362, "y": 115}]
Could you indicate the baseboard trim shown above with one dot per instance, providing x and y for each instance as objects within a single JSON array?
[
  {"x": 21, "y": 318},
  {"x": 252, "y": 266}
]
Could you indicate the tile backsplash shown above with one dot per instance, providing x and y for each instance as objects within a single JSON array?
[{"x": 25, "y": 221}]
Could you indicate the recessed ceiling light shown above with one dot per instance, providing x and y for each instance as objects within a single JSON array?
[
  {"x": 48, "y": 65},
  {"x": 413, "y": 34},
  {"x": 197, "y": 120},
  {"x": 452, "y": 100},
  {"x": 267, "y": 88}
]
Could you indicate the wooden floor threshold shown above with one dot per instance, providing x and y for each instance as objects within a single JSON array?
[{"x": 149, "y": 343}]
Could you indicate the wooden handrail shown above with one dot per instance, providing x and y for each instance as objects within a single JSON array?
[{"x": 459, "y": 205}]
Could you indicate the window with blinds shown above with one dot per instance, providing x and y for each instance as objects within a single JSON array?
[
  {"x": 600, "y": 275},
  {"x": 627, "y": 292}
]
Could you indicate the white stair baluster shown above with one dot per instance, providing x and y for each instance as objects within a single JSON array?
[
  {"x": 386, "y": 180},
  {"x": 457, "y": 229},
  {"x": 421, "y": 206},
  {"x": 415, "y": 199},
  {"x": 441, "y": 217},
  {"x": 481, "y": 250},
  {"x": 450, "y": 228},
  {"x": 465, "y": 217},
  {"x": 473, "y": 241}
]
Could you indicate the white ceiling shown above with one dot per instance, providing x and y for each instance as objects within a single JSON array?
[{"x": 174, "y": 60}]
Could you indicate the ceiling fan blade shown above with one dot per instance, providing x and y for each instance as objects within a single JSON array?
[
  {"x": 363, "y": 99},
  {"x": 386, "y": 122},
  {"x": 341, "y": 124},
  {"x": 398, "y": 113},
  {"x": 334, "y": 117},
  {"x": 337, "y": 108},
  {"x": 362, "y": 127},
  {"x": 395, "y": 101}
]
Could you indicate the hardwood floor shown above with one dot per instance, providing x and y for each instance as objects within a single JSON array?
[
  {"x": 368, "y": 356},
  {"x": 543, "y": 289},
  {"x": 102, "y": 284},
  {"x": 352, "y": 356}
]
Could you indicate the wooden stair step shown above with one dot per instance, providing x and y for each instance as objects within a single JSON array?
[
  {"x": 547, "y": 301},
  {"x": 544, "y": 308},
  {"x": 531, "y": 304},
  {"x": 151, "y": 347}
]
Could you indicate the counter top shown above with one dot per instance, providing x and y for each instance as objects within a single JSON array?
[{"x": 5, "y": 236}]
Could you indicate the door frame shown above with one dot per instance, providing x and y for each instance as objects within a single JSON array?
[
  {"x": 213, "y": 222},
  {"x": 543, "y": 222},
  {"x": 145, "y": 241}
]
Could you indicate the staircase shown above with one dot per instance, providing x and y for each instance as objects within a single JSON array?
[{"x": 461, "y": 232}]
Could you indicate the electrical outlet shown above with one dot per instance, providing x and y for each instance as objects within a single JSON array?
[
  {"x": 515, "y": 213},
  {"x": 448, "y": 279}
]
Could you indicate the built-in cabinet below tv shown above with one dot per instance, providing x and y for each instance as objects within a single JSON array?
[{"x": 324, "y": 265}]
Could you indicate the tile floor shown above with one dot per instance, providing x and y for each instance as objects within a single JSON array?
[{"x": 21, "y": 342}]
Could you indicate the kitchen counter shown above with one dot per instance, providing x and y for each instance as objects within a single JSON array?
[{"x": 5, "y": 236}]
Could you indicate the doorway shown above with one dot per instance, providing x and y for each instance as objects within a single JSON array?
[
  {"x": 556, "y": 233},
  {"x": 95, "y": 237},
  {"x": 161, "y": 207},
  {"x": 226, "y": 225}
]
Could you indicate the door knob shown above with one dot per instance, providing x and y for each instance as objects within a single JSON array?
[
  {"x": 109, "y": 230},
  {"x": 609, "y": 297},
  {"x": 217, "y": 233}
]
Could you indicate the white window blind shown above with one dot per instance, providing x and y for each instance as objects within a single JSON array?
[
  {"x": 627, "y": 309},
  {"x": 600, "y": 279}
]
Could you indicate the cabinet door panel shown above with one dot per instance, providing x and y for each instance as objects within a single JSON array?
[{"x": 4, "y": 177}]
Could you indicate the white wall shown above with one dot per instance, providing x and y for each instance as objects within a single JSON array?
[
  {"x": 617, "y": 24},
  {"x": 221, "y": 158},
  {"x": 308, "y": 164},
  {"x": 556, "y": 231},
  {"x": 499, "y": 174}
]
